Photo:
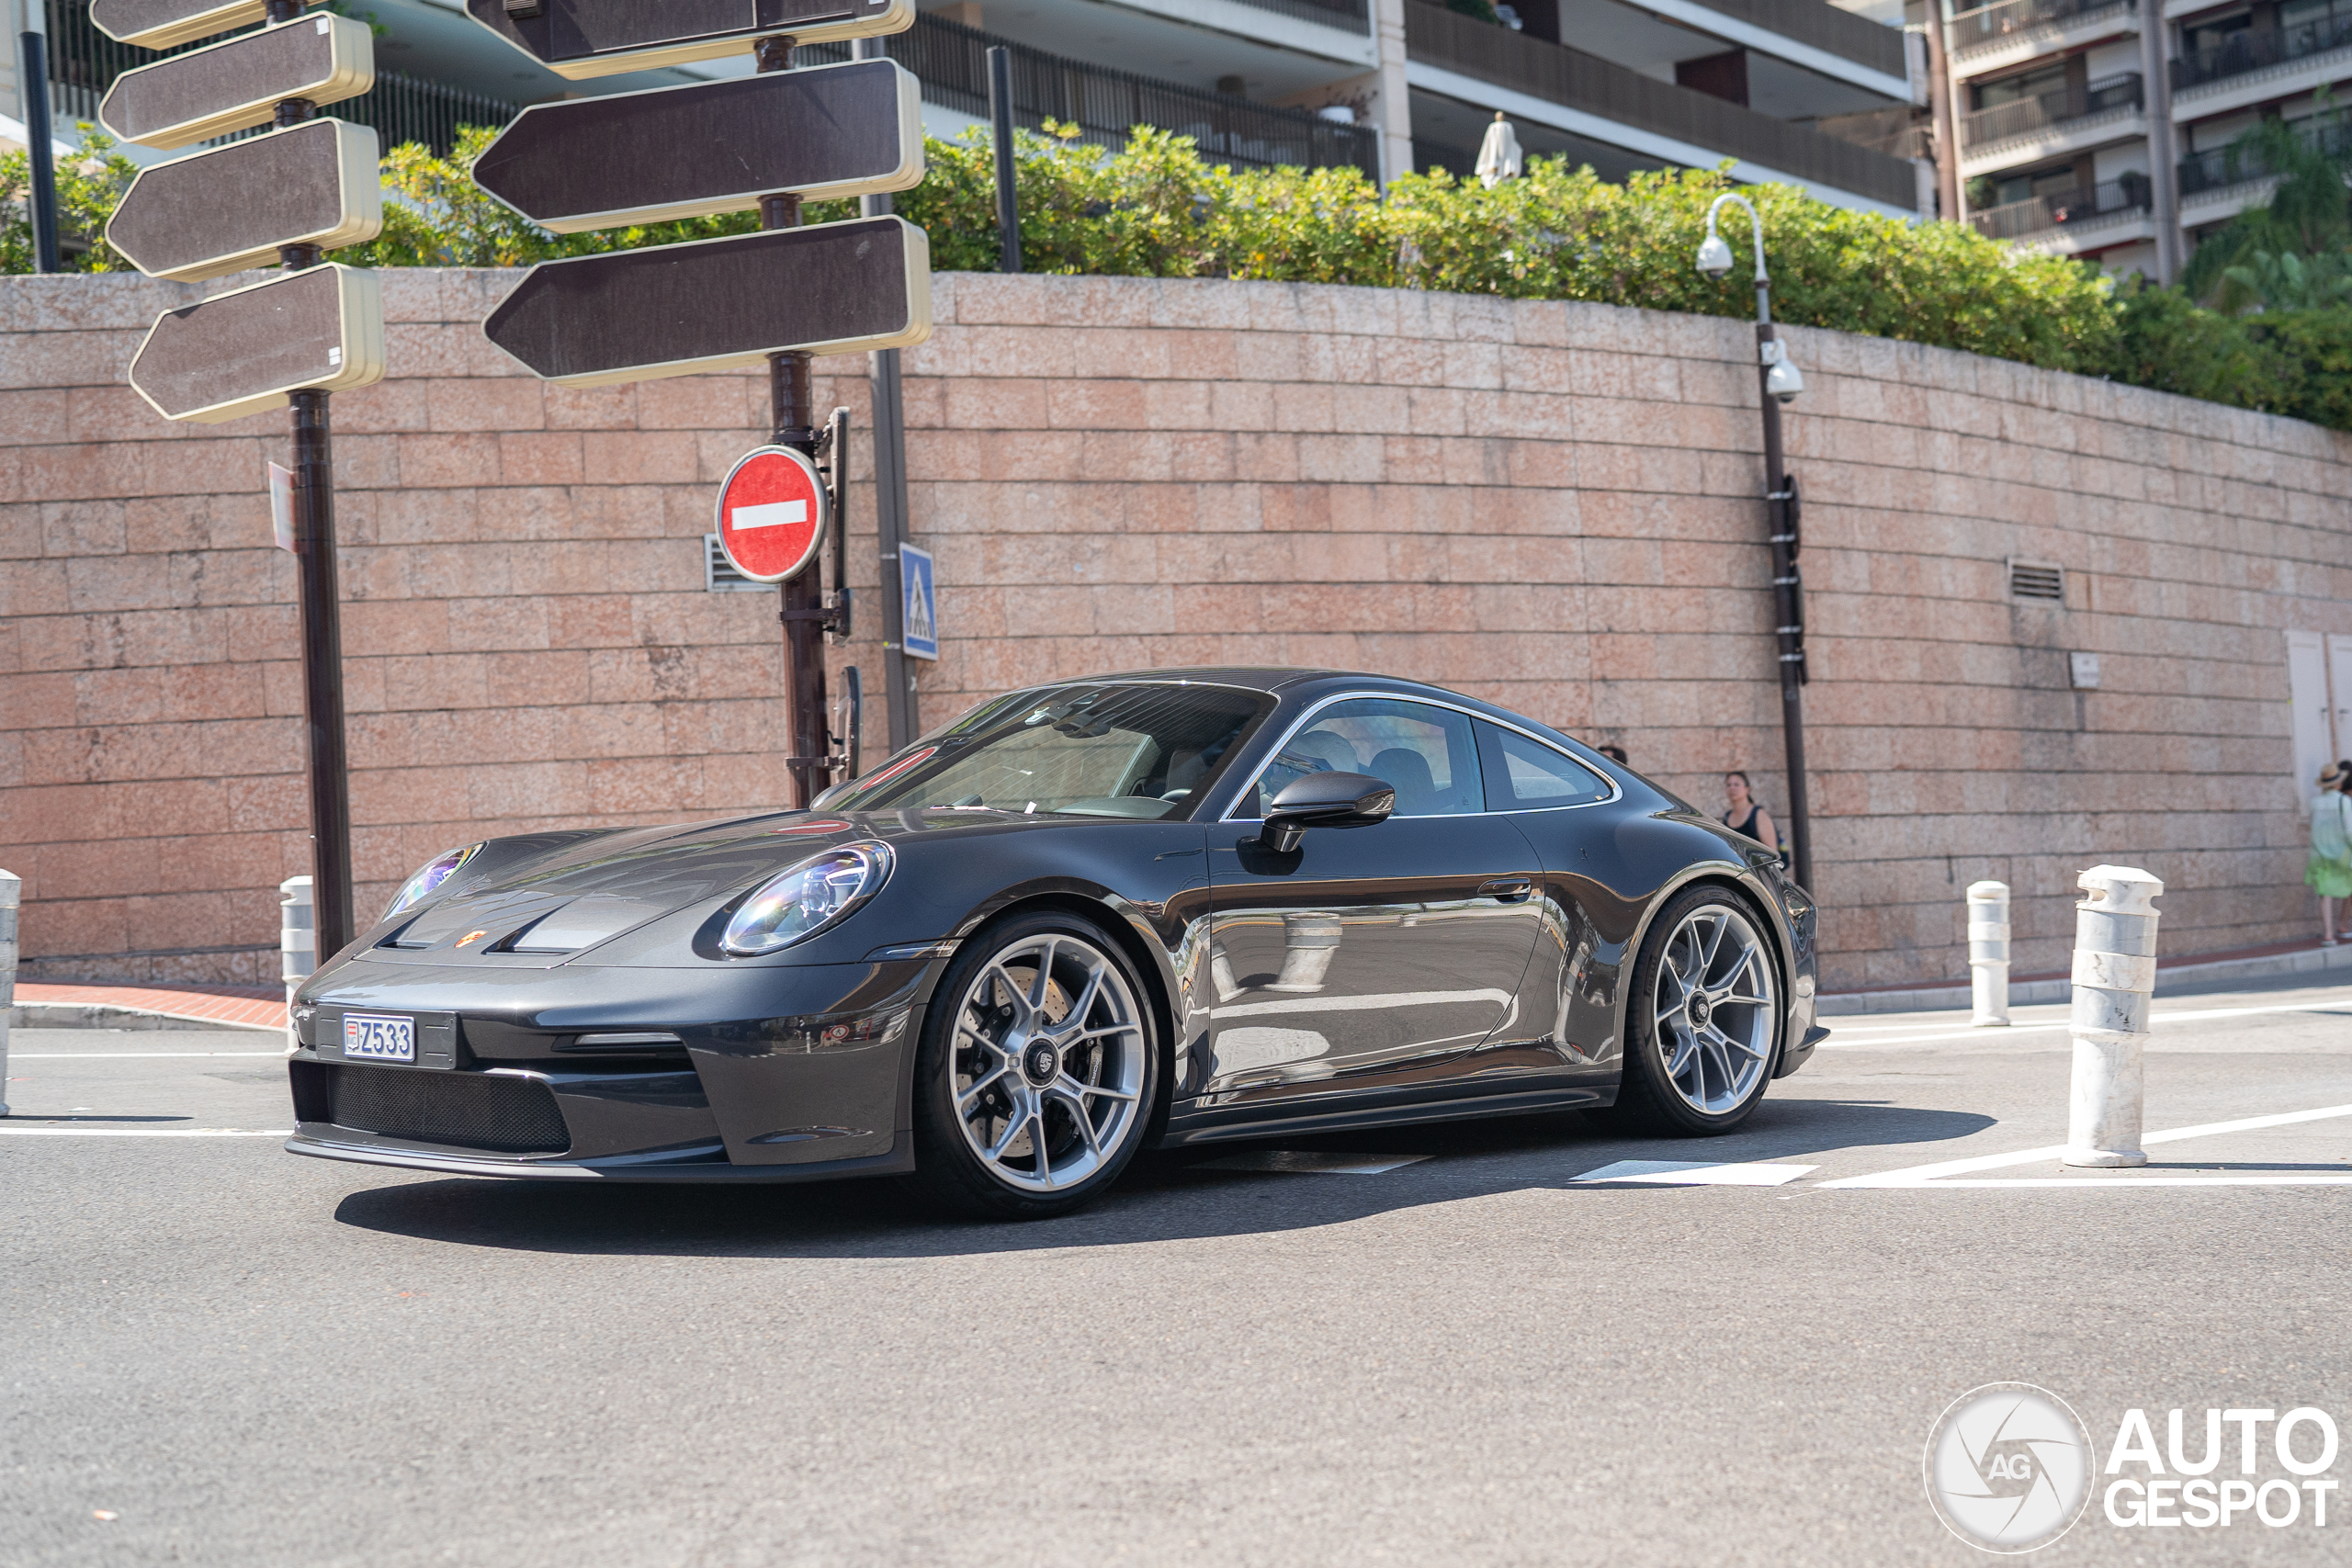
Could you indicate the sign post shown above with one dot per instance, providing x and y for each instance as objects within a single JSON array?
[
  {"x": 308, "y": 187},
  {"x": 781, "y": 296}
]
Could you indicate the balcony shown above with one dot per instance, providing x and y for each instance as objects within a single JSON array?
[
  {"x": 2221, "y": 168},
  {"x": 2050, "y": 112},
  {"x": 1991, "y": 36},
  {"x": 1594, "y": 89},
  {"x": 2250, "y": 52},
  {"x": 1355, "y": 16},
  {"x": 2040, "y": 217},
  {"x": 1822, "y": 27}
]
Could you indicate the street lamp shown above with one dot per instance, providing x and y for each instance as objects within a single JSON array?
[{"x": 1779, "y": 381}]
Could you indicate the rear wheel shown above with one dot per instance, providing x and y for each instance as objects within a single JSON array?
[
  {"x": 1704, "y": 1021},
  {"x": 1037, "y": 1072}
]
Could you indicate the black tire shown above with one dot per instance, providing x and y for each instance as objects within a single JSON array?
[
  {"x": 1667, "y": 1061},
  {"x": 985, "y": 1030}
]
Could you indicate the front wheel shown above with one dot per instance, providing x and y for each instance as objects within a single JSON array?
[
  {"x": 1039, "y": 1064},
  {"x": 1704, "y": 1021}
]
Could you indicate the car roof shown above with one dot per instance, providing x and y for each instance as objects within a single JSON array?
[{"x": 1271, "y": 678}]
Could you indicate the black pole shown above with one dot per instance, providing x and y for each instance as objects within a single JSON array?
[
  {"x": 889, "y": 503},
  {"x": 32, "y": 92},
  {"x": 1787, "y": 607},
  {"x": 1008, "y": 202},
  {"x": 803, "y": 611}
]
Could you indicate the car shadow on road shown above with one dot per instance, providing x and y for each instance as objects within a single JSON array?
[{"x": 1167, "y": 1196}]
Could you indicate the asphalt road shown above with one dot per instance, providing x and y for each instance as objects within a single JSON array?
[{"x": 214, "y": 1352}]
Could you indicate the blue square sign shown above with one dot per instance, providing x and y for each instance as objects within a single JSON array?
[{"x": 920, "y": 601}]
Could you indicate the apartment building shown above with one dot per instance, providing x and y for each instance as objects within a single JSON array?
[
  {"x": 1793, "y": 90},
  {"x": 2107, "y": 129}
]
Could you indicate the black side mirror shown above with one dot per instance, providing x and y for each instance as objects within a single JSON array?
[{"x": 1325, "y": 800}]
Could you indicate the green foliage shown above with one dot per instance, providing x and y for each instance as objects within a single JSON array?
[
  {"x": 1157, "y": 210},
  {"x": 2309, "y": 212},
  {"x": 89, "y": 183}
]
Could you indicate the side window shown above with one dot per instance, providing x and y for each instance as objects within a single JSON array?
[
  {"x": 1428, "y": 753},
  {"x": 1527, "y": 776}
]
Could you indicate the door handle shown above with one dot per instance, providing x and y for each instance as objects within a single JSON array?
[{"x": 1507, "y": 889}]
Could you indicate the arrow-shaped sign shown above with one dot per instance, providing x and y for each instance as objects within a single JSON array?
[
  {"x": 159, "y": 23},
  {"x": 222, "y": 211},
  {"x": 831, "y": 131},
  {"x": 320, "y": 329},
  {"x": 597, "y": 38},
  {"x": 718, "y": 304},
  {"x": 238, "y": 83}
]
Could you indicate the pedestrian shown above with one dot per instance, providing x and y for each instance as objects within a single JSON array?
[
  {"x": 1753, "y": 819},
  {"x": 2329, "y": 872}
]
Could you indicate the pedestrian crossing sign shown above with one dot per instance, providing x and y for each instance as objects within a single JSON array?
[{"x": 919, "y": 633}]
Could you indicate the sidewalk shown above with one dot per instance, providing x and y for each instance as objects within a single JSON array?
[
  {"x": 41, "y": 1006},
  {"x": 2183, "y": 972}
]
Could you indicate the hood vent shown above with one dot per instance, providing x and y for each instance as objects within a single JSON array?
[{"x": 583, "y": 922}]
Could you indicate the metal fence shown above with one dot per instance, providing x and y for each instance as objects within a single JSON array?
[
  {"x": 1106, "y": 105},
  {"x": 1353, "y": 14},
  {"x": 2026, "y": 116},
  {"x": 2041, "y": 214},
  {"x": 2218, "y": 168},
  {"x": 2252, "y": 50},
  {"x": 1989, "y": 24},
  {"x": 1574, "y": 79},
  {"x": 84, "y": 62}
]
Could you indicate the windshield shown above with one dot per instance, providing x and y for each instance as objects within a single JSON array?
[{"x": 1088, "y": 750}]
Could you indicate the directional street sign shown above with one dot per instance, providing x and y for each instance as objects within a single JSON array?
[
  {"x": 719, "y": 304},
  {"x": 230, "y": 209},
  {"x": 920, "y": 592},
  {"x": 771, "y": 513},
  {"x": 321, "y": 328},
  {"x": 829, "y": 131},
  {"x": 596, "y": 37},
  {"x": 159, "y": 23},
  {"x": 238, "y": 83}
]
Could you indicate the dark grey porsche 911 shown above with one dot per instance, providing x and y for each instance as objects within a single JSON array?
[{"x": 1137, "y": 910}]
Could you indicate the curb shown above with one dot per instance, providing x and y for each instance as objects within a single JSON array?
[
  {"x": 98, "y": 1015},
  {"x": 2171, "y": 979}
]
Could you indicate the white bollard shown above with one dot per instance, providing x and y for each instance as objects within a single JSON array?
[
  {"x": 1309, "y": 943},
  {"x": 11, "y": 889},
  {"x": 1988, "y": 952},
  {"x": 297, "y": 945},
  {"x": 2115, "y": 974}
]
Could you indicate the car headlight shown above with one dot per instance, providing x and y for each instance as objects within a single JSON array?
[
  {"x": 427, "y": 882},
  {"x": 799, "y": 903}
]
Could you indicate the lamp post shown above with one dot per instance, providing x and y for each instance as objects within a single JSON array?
[{"x": 1779, "y": 381}]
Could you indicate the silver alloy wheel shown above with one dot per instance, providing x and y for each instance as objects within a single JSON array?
[
  {"x": 1716, "y": 1009},
  {"x": 1048, "y": 1065}
]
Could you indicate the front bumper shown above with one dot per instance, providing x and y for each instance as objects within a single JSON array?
[{"x": 781, "y": 1075}]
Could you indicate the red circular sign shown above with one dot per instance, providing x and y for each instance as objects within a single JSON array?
[{"x": 771, "y": 513}]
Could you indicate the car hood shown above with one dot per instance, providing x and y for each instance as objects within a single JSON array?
[{"x": 534, "y": 905}]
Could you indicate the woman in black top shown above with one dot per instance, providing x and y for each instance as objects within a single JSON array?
[{"x": 1745, "y": 815}]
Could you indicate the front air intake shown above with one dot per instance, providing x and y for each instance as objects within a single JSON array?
[{"x": 469, "y": 1111}]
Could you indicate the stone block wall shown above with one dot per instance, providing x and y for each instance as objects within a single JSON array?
[{"x": 1549, "y": 505}]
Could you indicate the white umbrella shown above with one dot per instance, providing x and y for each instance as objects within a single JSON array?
[{"x": 1498, "y": 154}]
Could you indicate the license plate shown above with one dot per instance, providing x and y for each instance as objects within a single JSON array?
[{"x": 378, "y": 1039}]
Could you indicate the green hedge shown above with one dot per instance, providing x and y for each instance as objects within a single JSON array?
[{"x": 1157, "y": 209}]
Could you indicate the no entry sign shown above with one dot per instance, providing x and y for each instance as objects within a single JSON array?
[{"x": 771, "y": 513}]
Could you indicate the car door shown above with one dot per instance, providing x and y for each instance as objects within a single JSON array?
[{"x": 1369, "y": 957}]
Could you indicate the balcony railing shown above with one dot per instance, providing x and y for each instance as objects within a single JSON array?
[
  {"x": 2256, "y": 50},
  {"x": 2042, "y": 214},
  {"x": 2049, "y": 111},
  {"x": 1824, "y": 26},
  {"x": 1987, "y": 24},
  {"x": 1355, "y": 16},
  {"x": 951, "y": 60},
  {"x": 1573, "y": 79},
  {"x": 2218, "y": 168}
]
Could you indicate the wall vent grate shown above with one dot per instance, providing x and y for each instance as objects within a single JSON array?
[
  {"x": 2041, "y": 581},
  {"x": 718, "y": 573}
]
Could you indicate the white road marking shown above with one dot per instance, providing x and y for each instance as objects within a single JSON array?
[
  {"x": 2202, "y": 1015},
  {"x": 1936, "y": 1175},
  {"x": 1311, "y": 1162},
  {"x": 147, "y": 1132},
  {"x": 1683, "y": 1173},
  {"x": 112, "y": 1055}
]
